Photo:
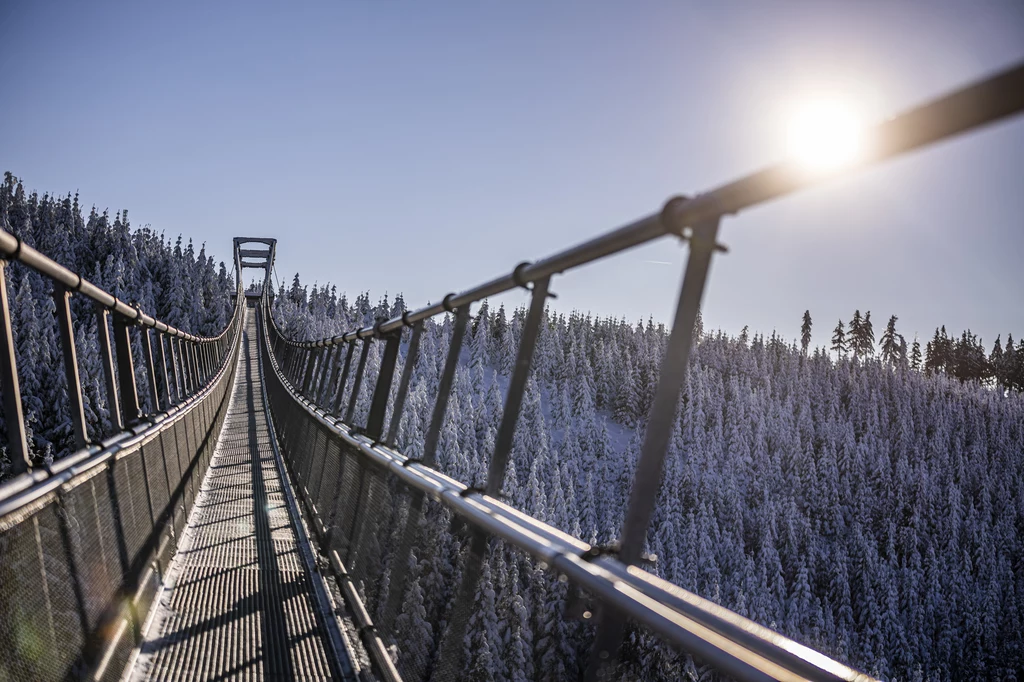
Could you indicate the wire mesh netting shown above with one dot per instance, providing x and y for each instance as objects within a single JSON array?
[
  {"x": 406, "y": 556},
  {"x": 75, "y": 579}
]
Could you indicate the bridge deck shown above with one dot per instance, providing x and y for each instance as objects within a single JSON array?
[{"x": 242, "y": 600}]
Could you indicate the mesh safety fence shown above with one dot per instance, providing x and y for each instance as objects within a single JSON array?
[
  {"x": 81, "y": 556},
  {"x": 406, "y": 554}
]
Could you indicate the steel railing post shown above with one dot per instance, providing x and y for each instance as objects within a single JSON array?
[
  {"x": 340, "y": 395},
  {"x": 412, "y": 519},
  {"x": 516, "y": 388},
  {"x": 162, "y": 359},
  {"x": 107, "y": 359},
  {"x": 403, "y": 385},
  {"x": 444, "y": 386},
  {"x": 451, "y": 653},
  {"x": 358, "y": 382},
  {"x": 186, "y": 367},
  {"x": 331, "y": 379},
  {"x": 314, "y": 357},
  {"x": 662, "y": 418},
  {"x": 179, "y": 381},
  {"x": 147, "y": 356},
  {"x": 61, "y": 297},
  {"x": 14, "y": 418},
  {"x": 382, "y": 391},
  {"x": 204, "y": 362},
  {"x": 197, "y": 382},
  {"x": 130, "y": 411},
  {"x": 330, "y": 360}
]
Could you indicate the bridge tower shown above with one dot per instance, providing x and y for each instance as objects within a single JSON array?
[{"x": 260, "y": 259}]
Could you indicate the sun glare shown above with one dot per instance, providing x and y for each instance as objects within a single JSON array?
[{"x": 825, "y": 133}]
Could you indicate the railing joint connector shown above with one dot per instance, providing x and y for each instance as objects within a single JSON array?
[
  {"x": 517, "y": 278},
  {"x": 409, "y": 461},
  {"x": 473, "y": 489},
  {"x": 596, "y": 551},
  {"x": 686, "y": 232},
  {"x": 446, "y": 303},
  {"x": 612, "y": 549},
  {"x": 138, "y": 313},
  {"x": 377, "y": 333}
]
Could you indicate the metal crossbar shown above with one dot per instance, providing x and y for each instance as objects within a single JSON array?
[{"x": 621, "y": 590}]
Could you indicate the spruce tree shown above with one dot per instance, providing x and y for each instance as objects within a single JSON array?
[
  {"x": 890, "y": 342},
  {"x": 854, "y": 335},
  {"x": 867, "y": 335},
  {"x": 805, "y": 332},
  {"x": 995, "y": 360},
  {"x": 839, "y": 340},
  {"x": 915, "y": 354}
]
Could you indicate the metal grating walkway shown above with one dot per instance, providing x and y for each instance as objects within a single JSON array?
[{"x": 240, "y": 600}]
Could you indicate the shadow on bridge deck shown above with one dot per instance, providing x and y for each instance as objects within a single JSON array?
[{"x": 241, "y": 600}]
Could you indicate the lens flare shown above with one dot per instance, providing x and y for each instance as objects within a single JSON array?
[{"x": 825, "y": 133}]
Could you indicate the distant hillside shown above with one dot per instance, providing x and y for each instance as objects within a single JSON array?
[{"x": 866, "y": 508}]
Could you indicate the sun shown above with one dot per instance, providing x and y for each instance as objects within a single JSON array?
[{"x": 825, "y": 132}]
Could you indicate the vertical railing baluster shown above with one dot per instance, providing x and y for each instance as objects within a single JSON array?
[
  {"x": 107, "y": 359},
  {"x": 517, "y": 388},
  {"x": 162, "y": 359},
  {"x": 374, "y": 427},
  {"x": 147, "y": 343},
  {"x": 314, "y": 357},
  {"x": 204, "y": 362},
  {"x": 14, "y": 418},
  {"x": 308, "y": 357},
  {"x": 382, "y": 391},
  {"x": 180, "y": 391},
  {"x": 186, "y": 366},
  {"x": 61, "y": 297},
  {"x": 130, "y": 411},
  {"x": 194, "y": 367},
  {"x": 357, "y": 384},
  {"x": 298, "y": 356},
  {"x": 451, "y": 652},
  {"x": 291, "y": 357},
  {"x": 403, "y": 385},
  {"x": 412, "y": 519},
  {"x": 647, "y": 479},
  {"x": 444, "y": 387},
  {"x": 340, "y": 395},
  {"x": 329, "y": 362}
]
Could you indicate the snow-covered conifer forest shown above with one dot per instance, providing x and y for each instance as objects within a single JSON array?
[
  {"x": 863, "y": 496},
  {"x": 166, "y": 278},
  {"x": 867, "y": 502}
]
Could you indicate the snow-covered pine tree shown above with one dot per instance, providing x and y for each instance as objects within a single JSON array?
[{"x": 805, "y": 332}]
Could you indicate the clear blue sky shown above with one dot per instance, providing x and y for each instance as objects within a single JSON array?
[{"x": 423, "y": 147}]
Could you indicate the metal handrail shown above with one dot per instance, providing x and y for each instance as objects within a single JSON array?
[
  {"x": 310, "y": 369},
  {"x": 984, "y": 102},
  {"x": 188, "y": 362},
  {"x": 13, "y": 248}
]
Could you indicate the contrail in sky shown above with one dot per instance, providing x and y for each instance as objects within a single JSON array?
[{"x": 658, "y": 262}]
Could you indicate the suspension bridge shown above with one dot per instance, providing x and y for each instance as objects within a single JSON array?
[{"x": 241, "y": 528}]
